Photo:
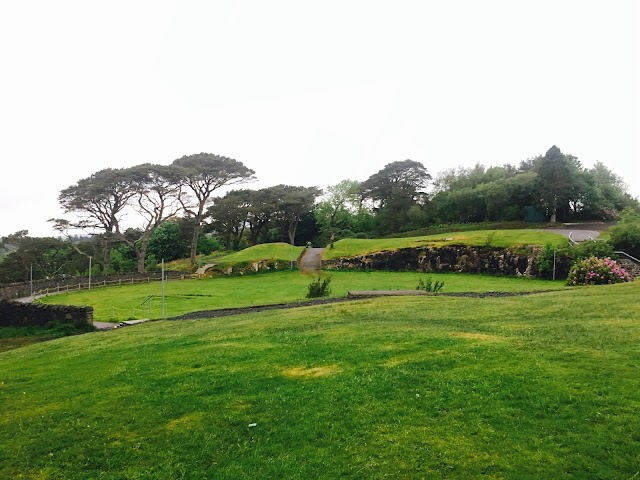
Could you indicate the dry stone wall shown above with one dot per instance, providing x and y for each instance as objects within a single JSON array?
[
  {"x": 444, "y": 259},
  {"x": 15, "y": 314}
]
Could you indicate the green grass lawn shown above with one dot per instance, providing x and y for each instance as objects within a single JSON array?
[
  {"x": 349, "y": 247},
  {"x": 542, "y": 386},
  {"x": 122, "y": 303}
]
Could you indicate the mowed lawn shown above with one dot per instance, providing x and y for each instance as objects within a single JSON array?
[
  {"x": 122, "y": 303},
  {"x": 541, "y": 386},
  {"x": 349, "y": 247}
]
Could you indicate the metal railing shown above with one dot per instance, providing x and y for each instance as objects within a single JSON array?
[{"x": 632, "y": 258}]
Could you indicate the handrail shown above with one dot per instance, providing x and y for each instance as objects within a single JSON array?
[
  {"x": 147, "y": 299},
  {"x": 573, "y": 242},
  {"x": 633, "y": 259}
]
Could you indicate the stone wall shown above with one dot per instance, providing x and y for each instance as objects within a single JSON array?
[
  {"x": 248, "y": 268},
  {"x": 15, "y": 314},
  {"x": 453, "y": 258}
]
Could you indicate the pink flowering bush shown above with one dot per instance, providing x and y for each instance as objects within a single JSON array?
[{"x": 597, "y": 271}]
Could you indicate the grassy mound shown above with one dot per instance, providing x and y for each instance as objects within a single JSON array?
[
  {"x": 282, "y": 252},
  {"x": 350, "y": 247},
  {"x": 543, "y": 386},
  {"x": 266, "y": 251}
]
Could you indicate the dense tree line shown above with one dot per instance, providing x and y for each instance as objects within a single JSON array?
[{"x": 171, "y": 211}]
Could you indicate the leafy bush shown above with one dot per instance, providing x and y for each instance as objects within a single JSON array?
[
  {"x": 597, "y": 271},
  {"x": 592, "y": 249},
  {"x": 625, "y": 235},
  {"x": 319, "y": 288},
  {"x": 545, "y": 260},
  {"x": 430, "y": 286}
]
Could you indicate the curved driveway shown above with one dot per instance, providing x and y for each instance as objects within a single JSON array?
[{"x": 576, "y": 235}]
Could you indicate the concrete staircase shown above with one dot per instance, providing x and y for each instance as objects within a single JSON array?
[{"x": 629, "y": 263}]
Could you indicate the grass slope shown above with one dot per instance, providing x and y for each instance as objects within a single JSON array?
[
  {"x": 267, "y": 251},
  {"x": 544, "y": 386},
  {"x": 121, "y": 303},
  {"x": 350, "y": 247}
]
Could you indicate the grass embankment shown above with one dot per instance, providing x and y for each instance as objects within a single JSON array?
[
  {"x": 544, "y": 386},
  {"x": 267, "y": 251},
  {"x": 465, "y": 227},
  {"x": 122, "y": 303},
  {"x": 16, "y": 337},
  {"x": 350, "y": 247}
]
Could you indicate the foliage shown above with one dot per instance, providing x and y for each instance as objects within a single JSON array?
[
  {"x": 625, "y": 235},
  {"x": 595, "y": 248},
  {"x": 168, "y": 243},
  {"x": 429, "y": 285},
  {"x": 319, "y": 288},
  {"x": 545, "y": 260},
  {"x": 48, "y": 257},
  {"x": 394, "y": 190},
  {"x": 597, "y": 271},
  {"x": 204, "y": 174},
  {"x": 339, "y": 203},
  {"x": 394, "y": 387}
]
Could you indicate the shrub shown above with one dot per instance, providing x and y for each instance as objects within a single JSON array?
[
  {"x": 430, "y": 286},
  {"x": 545, "y": 260},
  {"x": 594, "y": 248},
  {"x": 319, "y": 288},
  {"x": 625, "y": 235},
  {"x": 597, "y": 271}
]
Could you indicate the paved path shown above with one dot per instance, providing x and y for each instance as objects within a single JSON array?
[
  {"x": 202, "y": 270},
  {"x": 104, "y": 325},
  {"x": 576, "y": 235},
  {"x": 311, "y": 260}
]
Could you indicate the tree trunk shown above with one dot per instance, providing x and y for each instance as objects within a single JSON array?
[
  {"x": 194, "y": 242},
  {"x": 106, "y": 256},
  {"x": 141, "y": 257},
  {"x": 292, "y": 231}
]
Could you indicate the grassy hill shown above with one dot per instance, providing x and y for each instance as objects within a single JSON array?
[
  {"x": 543, "y": 386},
  {"x": 283, "y": 252},
  {"x": 349, "y": 247}
]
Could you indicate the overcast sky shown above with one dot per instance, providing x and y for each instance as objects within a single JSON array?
[{"x": 309, "y": 93}]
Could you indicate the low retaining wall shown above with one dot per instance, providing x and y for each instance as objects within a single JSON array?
[
  {"x": 248, "y": 268},
  {"x": 14, "y": 314},
  {"x": 444, "y": 259}
]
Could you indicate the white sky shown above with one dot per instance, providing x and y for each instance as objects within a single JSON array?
[{"x": 308, "y": 93}]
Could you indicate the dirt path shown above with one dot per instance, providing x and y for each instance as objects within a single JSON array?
[{"x": 312, "y": 259}]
